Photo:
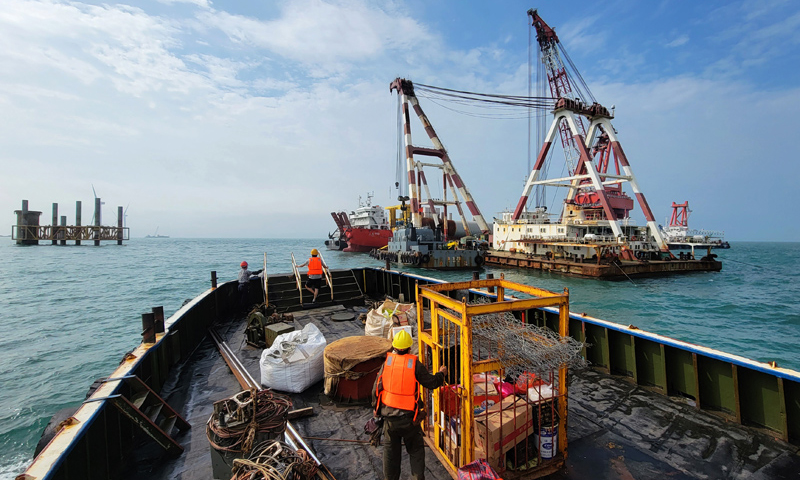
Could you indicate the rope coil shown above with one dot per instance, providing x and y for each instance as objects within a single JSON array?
[{"x": 270, "y": 418}]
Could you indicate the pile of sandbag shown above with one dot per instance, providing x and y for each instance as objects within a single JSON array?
[{"x": 295, "y": 360}]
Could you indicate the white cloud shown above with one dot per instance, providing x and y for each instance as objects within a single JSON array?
[
  {"x": 322, "y": 33},
  {"x": 681, "y": 40},
  {"x": 199, "y": 3}
]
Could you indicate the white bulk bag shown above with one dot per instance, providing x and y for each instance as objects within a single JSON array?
[
  {"x": 295, "y": 360},
  {"x": 377, "y": 324}
]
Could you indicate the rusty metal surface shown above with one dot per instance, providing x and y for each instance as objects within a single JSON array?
[
  {"x": 69, "y": 232},
  {"x": 610, "y": 271}
]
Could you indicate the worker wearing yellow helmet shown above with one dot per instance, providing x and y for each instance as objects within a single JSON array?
[
  {"x": 315, "y": 265},
  {"x": 396, "y": 399}
]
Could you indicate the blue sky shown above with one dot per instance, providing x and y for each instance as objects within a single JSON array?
[{"x": 256, "y": 119}]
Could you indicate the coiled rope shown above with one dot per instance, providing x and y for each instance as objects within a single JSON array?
[
  {"x": 270, "y": 417},
  {"x": 275, "y": 460}
]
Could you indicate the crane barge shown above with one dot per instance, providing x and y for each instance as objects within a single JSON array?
[{"x": 594, "y": 234}]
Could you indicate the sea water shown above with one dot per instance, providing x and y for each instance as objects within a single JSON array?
[{"x": 69, "y": 313}]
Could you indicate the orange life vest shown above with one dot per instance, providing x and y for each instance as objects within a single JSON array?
[
  {"x": 400, "y": 387},
  {"x": 314, "y": 266}
]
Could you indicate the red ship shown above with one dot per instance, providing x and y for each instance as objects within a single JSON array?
[{"x": 364, "y": 229}]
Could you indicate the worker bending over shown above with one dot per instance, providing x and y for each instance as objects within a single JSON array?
[{"x": 397, "y": 401}]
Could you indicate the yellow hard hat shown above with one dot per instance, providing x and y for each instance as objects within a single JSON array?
[
  {"x": 314, "y": 251},
  {"x": 402, "y": 340}
]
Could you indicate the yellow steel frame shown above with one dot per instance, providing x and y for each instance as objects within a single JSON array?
[{"x": 435, "y": 295}]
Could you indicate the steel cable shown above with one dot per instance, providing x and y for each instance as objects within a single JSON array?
[
  {"x": 270, "y": 417},
  {"x": 274, "y": 460}
]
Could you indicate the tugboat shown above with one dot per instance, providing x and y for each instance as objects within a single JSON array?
[
  {"x": 336, "y": 240},
  {"x": 679, "y": 237}
]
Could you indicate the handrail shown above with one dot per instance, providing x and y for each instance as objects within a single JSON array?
[
  {"x": 327, "y": 272},
  {"x": 297, "y": 278},
  {"x": 266, "y": 291}
]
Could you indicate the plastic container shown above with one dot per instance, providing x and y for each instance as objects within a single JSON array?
[{"x": 540, "y": 392}]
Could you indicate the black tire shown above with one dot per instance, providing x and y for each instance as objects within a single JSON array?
[
  {"x": 479, "y": 260},
  {"x": 425, "y": 258}
]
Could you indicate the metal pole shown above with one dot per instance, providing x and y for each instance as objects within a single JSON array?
[
  {"x": 213, "y": 279},
  {"x": 158, "y": 316},
  {"x": 54, "y": 224},
  {"x": 22, "y": 224},
  {"x": 97, "y": 222},
  {"x": 119, "y": 242},
  {"x": 148, "y": 328},
  {"x": 78, "y": 220},
  {"x": 62, "y": 233},
  {"x": 490, "y": 276}
]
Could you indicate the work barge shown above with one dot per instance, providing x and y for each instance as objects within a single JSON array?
[{"x": 647, "y": 406}]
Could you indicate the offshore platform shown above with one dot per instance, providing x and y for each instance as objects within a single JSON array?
[{"x": 27, "y": 231}]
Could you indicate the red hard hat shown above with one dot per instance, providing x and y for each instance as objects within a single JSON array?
[{"x": 244, "y": 264}]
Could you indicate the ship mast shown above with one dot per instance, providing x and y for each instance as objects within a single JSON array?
[{"x": 415, "y": 175}]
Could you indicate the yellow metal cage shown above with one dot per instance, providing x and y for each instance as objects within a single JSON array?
[{"x": 445, "y": 326}]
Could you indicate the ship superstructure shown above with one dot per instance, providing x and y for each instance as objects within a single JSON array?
[{"x": 679, "y": 237}]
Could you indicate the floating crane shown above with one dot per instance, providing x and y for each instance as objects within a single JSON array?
[
  {"x": 416, "y": 175},
  {"x": 594, "y": 193}
]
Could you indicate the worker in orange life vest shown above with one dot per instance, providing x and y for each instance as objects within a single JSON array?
[
  {"x": 396, "y": 399},
  {"x": 314, "y": 281}
]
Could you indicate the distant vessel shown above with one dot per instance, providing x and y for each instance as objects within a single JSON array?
[
  {"x": 336, "y": 240},
  {"x": 156, "y": 235},
  {"x": 364, "y": 229},
  {"x": 679, "y": 237}
]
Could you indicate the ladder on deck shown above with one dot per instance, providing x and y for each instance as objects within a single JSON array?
[{"x": 147, "y": 410}]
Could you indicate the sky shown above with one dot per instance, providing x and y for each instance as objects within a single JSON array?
[{"x": 230, "y": 119}]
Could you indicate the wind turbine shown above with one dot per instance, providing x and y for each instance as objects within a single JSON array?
[{"x": 95, "y": 201}]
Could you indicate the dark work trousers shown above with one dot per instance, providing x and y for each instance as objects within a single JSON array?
[
  {"x": 402, "y": 429},
  {"x": 244, "y": 290}
]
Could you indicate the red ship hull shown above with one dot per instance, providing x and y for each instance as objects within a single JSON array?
[{"x": 365, "y": 239}]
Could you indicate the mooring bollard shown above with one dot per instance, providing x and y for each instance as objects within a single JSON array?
[
  {"x": 213, "y": 279},
  {"x": 158, "y": 314},
  {"x": 148, "y": 328},
  {"x": 490, "y": 276},
  {"x": 476, "y": 275}
]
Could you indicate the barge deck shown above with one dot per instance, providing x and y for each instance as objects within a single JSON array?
[
  {"x": 649, "y": 406},
  {"x": 617, "y": 430},
  {"x": 618, "y": 270}
]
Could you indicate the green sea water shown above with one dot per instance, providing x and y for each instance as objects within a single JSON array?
[{"x": 70, "y": 313}]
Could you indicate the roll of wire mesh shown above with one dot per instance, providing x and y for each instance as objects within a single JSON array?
[
  {"x": 274, "y": 460},
  {"x": 254, "y": 412}
]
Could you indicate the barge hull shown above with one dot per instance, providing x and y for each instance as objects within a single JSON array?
[
  {"x": 743, "y": 417},
  {"x": 609, "y": 271}
]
